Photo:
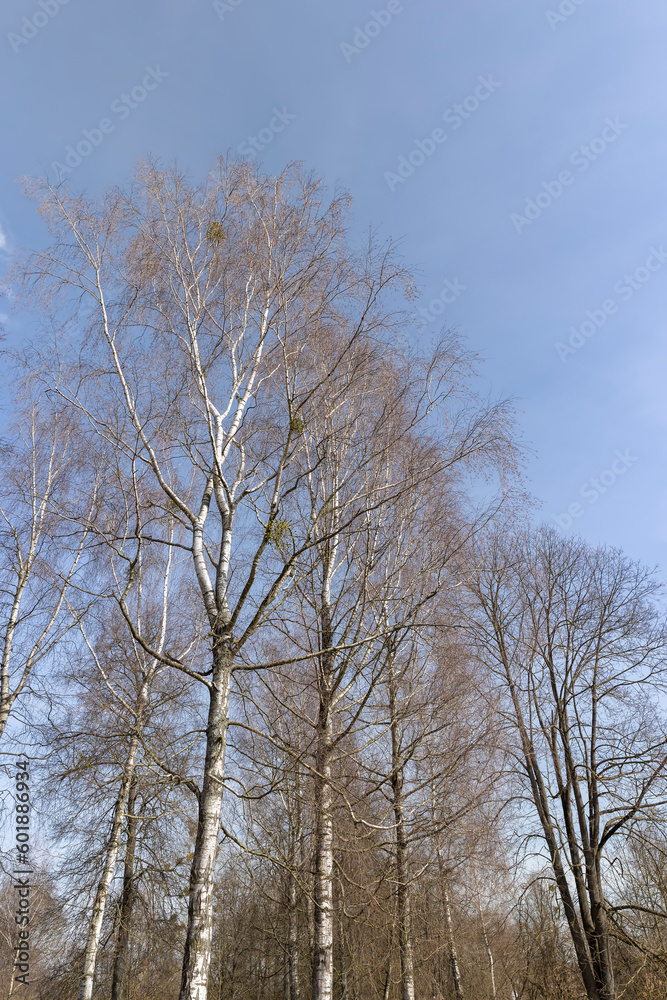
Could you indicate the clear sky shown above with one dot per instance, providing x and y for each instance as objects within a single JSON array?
[{"x": 517, "y": 148}]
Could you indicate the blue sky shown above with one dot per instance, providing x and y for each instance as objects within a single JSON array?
[{"x": 540, "y": 199}]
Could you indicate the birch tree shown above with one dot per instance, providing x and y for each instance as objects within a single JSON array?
[
  {"x": 425, "y": 684},
  {"x": 196, "y": 304},
  {"x": 136, "y": 710},
  {"x": 40, "y": 548},
  {"x": 376, "y": 467}
]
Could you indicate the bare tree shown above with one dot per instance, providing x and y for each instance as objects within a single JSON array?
[
  {"x": 198, "y": 304},
  {"x": 576, "y": 640},
  {"x": 368, "y": 586},
  {"x": 135, "y": 709},
  {"x": 40, "y": 549}
]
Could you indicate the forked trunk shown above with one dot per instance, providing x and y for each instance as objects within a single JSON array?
[
  {"x": 602, "y": 964},
  {"x": 197, "y": 954}
]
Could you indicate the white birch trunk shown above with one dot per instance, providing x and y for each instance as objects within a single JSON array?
[
  {"x": 323, "y": 890},
  {"x": 323, "y": 924},
  {"x": 87, "y": 980},
  {"x": 197, "y": 954},
  {"x": 402, "y": 881},
  {"x": 387, "y": 979},
  {"x": 489, "y": 955},
  {"x": 487, "y": 945},
  {"x": 293, "y": 942},
  {"x": 296, "y": 837},
  {"x": 121, "y": 966},
  {"x": 6, "y": 699},
  {"x": 453, "y": 954}
]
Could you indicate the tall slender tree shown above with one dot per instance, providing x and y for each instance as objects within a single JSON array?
[{"x": 41, "y": 547}]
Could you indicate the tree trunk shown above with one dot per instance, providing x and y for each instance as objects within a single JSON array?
[
  {"x": 6, "y": 699},
  {"x": 95, "y": 928},
  {"x": 602, "y": 964},
  {"x": 323, "y": 915},
  {"x": 11, "y": 979},
  {"x": 197, "y": 953},
  {"x": 295, "y": 865},
  {"x": 121, "y": 965},
  {"x": 323, "y": 888},
  {"x": 293, "y": 939},
  {"x": 344, "y": 988},
  {"x": 541, "y": 800},
  {"x": 387, "y": 978},
  {"x": 489, "y": 953},
  {"x": 310, "y": 902},
  {"x": 453, "y": 956},
  {"x": 402, "y": 881},
  {"x": 589, "y": 886}
]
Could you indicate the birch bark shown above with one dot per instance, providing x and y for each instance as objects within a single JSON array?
[
  {"x": 322, "y": 983},
  {"x": 402, "y": 876},
  {"x": 87, "y": 981},
  {"x": 197, "y": 953},
  {"x": 121, "y": 967}
]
